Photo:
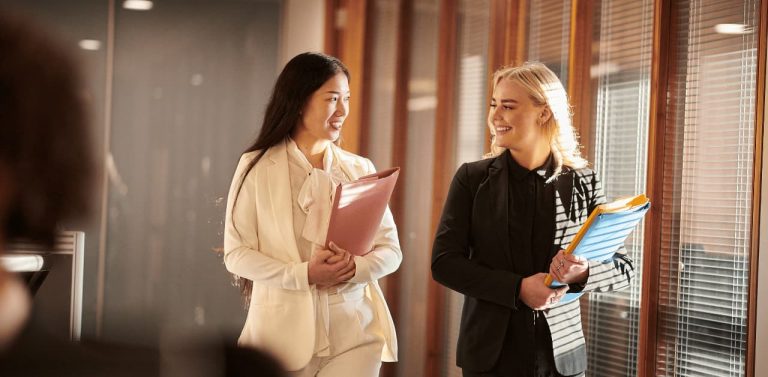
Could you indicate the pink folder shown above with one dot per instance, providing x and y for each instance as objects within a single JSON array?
[{"x": 358, "y": 208}]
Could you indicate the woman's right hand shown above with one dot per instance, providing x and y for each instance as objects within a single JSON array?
[
  {"x": 537, "y": 295},
  {"x": 327, "y": 268}
]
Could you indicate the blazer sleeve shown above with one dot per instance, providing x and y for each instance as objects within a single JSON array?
[
  {"x": 615, "y": 273},
  {"x": 451, "y": 263},
  {"x": 386, "y": 256},
  {"x": 241, "y": 240}
]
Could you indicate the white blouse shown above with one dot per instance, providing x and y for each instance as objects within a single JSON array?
[{"x": 312, "y": 192}]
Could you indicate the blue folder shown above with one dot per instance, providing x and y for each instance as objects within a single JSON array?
[{"x": 603, "y": 234}]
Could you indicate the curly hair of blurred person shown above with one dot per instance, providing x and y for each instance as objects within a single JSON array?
[
  {"x": 46, "y": 160},
  {"x": 46, "y": 163}
]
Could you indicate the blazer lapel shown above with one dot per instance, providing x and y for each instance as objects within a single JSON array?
[
  {"x": 564, "y": 184},
  {"x": 564, "y": 213},
  {"x": 279, "y": 187}
]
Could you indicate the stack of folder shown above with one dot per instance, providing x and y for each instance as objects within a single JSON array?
[{"x": 604, "y": 232}]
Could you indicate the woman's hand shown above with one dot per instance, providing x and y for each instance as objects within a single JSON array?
[
  {"x": 537, "y": 295},
  {"x": 568, "y": 268},
  {"x": 330, "y": 267}
]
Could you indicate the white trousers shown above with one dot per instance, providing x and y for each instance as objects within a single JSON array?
[{"x": 355, "y": 337}]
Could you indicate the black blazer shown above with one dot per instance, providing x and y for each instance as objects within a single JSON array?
[{"x": 472, "y": 255}]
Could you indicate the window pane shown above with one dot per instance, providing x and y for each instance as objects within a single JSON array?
[
  {"x": 549, "y": 32},
  {"x": 622, "y": 35},
  {"x": 708, "y": 189}
]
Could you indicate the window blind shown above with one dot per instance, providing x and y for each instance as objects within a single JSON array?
[
  {"x": 622, "y": 36},
  {"x": 549, "y": 31},
  {"x": 706, "y": 215}
]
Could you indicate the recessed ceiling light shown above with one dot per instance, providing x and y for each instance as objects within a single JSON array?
[
  {"x": 89, "y": 44},
  {"x": 137, "y": 4}
]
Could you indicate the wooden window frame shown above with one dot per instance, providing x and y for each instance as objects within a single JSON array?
[
  {"x": 757, "y": 188},
  {"x": 347, "y": 42},
  {"x": 506, "y": 41},
  {"x": 399, "y": 149},
  {"x": 445, "y": 138},
  {"x": 579, "y": 63},
  {"x": 661, "y": 66}
]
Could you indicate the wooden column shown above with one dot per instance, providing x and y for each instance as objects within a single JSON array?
[
  {"x": 507, "y": 40},
  {"x": 579, "y": 80},
  {"x": 445, "y": 134},
  {"x": 345, "y": 38},
  {"x": 757, "y": 187},
  {"x": 399, "y": 149},
  {"x": 660, "y": 74}
]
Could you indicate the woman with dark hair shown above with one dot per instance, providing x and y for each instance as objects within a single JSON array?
[{"x": 320, "y": 311}]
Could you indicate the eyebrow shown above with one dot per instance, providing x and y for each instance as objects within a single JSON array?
[
  {"x": 508, "y": 100},
  {"x": 335, "y": 92}
]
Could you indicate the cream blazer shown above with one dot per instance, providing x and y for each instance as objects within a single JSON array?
[{"x": 261, "y": 246}]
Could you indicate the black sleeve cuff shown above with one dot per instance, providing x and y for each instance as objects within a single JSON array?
[
  {"x": 518, "y": 303},
  {"x": 576, "y": 287}
]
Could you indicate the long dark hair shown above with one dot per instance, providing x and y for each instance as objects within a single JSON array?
[{"x": 300, "y": 78}]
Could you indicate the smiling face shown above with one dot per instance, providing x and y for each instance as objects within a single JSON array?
[
  {"x": 325, "y": 111},
  {"x": 516, "y": 120}
]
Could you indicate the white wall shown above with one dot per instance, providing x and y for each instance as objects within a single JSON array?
[{"x": 302, "y": 28}]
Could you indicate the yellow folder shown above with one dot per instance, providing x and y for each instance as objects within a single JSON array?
[{"x": 606, "y": 229}]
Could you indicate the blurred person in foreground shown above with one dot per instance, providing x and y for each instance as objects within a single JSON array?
[{"x": 46, "y": 174}]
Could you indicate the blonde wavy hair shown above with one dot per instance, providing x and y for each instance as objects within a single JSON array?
[{"x": 544, "y": 89}]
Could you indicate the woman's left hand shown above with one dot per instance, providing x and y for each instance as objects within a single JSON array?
[
  {"x": 340, "y": 254},
  {"x": 568, "y": 268}
]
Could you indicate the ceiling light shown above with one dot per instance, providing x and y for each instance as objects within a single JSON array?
[
  {"x": 89, "y": 44},
  {"x": 137, "y": 4}
]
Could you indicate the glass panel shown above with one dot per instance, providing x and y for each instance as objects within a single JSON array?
[
  {"x": 191, "y": 80},
  {"x": 549, "y": 33},
  {"x": 620, "y": 71},
  {"x": 708, "y": 183}
]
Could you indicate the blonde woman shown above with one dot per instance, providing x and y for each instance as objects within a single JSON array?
[{"x": 505, "y": 222}]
